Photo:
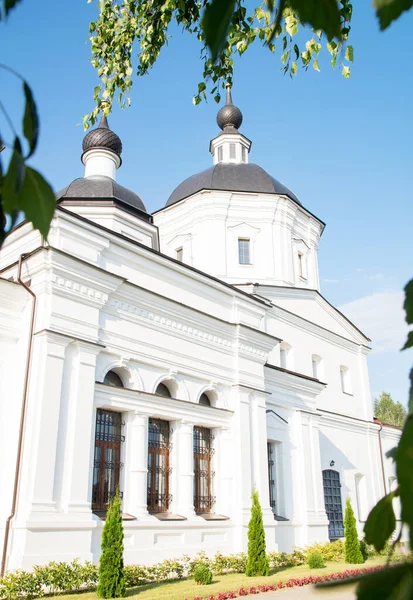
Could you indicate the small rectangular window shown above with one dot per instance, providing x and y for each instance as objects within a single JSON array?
[
  {"x": 220, "y": 154},
  {"x": 300, "y": 265},
  {"x": 244, "y": 256},
  {"x": 272, "y": 476},
  {"x": 244, "y": 154},
  {"x": 232, "y": 150},
  {"x": 180, "y": 254}
]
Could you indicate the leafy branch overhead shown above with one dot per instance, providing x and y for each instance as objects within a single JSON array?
[{"x": 224, "y": 28}]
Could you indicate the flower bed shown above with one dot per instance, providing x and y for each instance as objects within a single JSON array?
[{"x": 292, "y": 582}]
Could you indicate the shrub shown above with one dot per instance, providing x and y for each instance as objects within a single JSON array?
[
  {"x": 352, "y": 546},
  {"x": 316, "y": 561},
  {"x": 20, "y": 583},
  {"x": 257, "y": 563},
  {"x": 364, "y": 550},
  {"x": 111, "y": 578},
  {"x": 203, "y": 574},
  {"x": 330, "y": 551}
]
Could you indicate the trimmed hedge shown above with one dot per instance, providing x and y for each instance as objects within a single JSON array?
[{"x": 60, "y": 577}]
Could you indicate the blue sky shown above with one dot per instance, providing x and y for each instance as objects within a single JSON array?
[{"x": 344, "y": 147}]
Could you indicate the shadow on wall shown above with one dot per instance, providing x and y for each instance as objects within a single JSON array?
[{"x": 329, "y": 453}]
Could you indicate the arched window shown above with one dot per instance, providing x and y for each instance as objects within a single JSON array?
[
  {"x": 163, "y": 390},
  {"x": 285, "y": 356},
  {"x": 317, "y": 366},
  {"x": 204, "y": 400},
  {"x": 113, "y": 379}
]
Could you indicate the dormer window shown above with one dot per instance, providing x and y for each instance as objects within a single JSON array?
[{"x": 244, "y": 255}]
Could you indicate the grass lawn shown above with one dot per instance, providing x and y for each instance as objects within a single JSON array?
[{"x": 187, "y": 588}]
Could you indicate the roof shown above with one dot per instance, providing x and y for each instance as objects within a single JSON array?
[
  {"x": 231, "y": 177},
  {"x": 385, "y": 424},
  {"x": 100, "y": 187}
]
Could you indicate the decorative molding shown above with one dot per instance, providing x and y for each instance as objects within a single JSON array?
[{"x": 79, "y": 289}]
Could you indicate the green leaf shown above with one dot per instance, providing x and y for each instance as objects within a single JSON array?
[
  {"x": 380, "y": 523},
  {"x": 315, "y": 65},
  {"x": 409, "y": 341},
  {"x": 215, "y": 24},
  {"x": 37, "y": 201},
  {"x": 388, "y": 11},
  {"x": 323, "y": 15},
  {"x": 30, "y": 120},
  {"x": 284, "y": 57},
  {"x": 404, "y": 472},
  {"x": 8, "y": 5},
  {"x": 408, "y": 302},
  {"x": 346, "y": 72},
  {"x": 411, "y": 391},
  {"x": 13, "y": 180},
  {"x": 294, "y": 68},
  {"x": 383, "y": 584},
  {"x": 201, "y": 87},
  {"x": 350, "y": 53}
]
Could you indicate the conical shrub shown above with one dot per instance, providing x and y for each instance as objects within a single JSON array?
[
  {"x": 257, "y": 563},
  {"x": 111, "y": 582},
  {"x": 352, "y": 544}
]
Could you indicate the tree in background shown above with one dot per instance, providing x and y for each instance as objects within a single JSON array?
[
  {"x": 257, "y": 563},
  {"x": 386, "y": 409},
  {"x": 352, "y": 544},
  {"x": 111, "y": 579}
]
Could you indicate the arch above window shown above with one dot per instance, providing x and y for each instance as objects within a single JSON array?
[
  {"x": 113, "y": 379},
  {"x": 204, "y": 400},
  {"x": 163, "y": 390}
]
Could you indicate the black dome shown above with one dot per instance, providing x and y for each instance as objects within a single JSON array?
[
  {"x": 100, "y": 188},
  {"x": 229, "y": 116},
  {"x": 231, "y": 177},
  {"x": 102, "y": 137}
]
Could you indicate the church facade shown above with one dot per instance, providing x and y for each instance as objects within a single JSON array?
[{"x": 185, "y": 358}]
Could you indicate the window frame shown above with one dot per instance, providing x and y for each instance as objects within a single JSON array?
[
  {"x": 241, "y": 253},
  {"x": 106, "y": 440},
  {"x": 203, "y": 452},
  {"x": 159, "y": 450}
]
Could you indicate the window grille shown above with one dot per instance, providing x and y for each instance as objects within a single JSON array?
[
  {"x": 333, "y": 503},
  {"x": 159, "y": 448},
  {"x": 271, "y": 476},
  {"x": 244, "y": 257},
  {"x": 203, "y": 474},
  {"x": 106, "y": 463},
  {"x": 220, "y": 154}
]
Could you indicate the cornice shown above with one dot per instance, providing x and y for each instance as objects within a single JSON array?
[{"x": 348, "y": 423}]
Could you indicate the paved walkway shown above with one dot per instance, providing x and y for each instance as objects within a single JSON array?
[{"x": 310, "y": 592}]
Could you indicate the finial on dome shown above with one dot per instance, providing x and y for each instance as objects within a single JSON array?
[
  {"x": 103, "y": 138},
  {"x": 229, "y": 117}
]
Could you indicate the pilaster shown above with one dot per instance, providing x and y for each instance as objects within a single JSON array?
[
  {"x": 137, "y": 466},
  {"x": 184, "y": 492}
]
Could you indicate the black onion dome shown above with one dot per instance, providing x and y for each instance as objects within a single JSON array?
[
  {"x": 229, "y": 116},
  {"x": 102, "y": 137},
  {"x": 244, "y": 177},
  {"x": 100, "y": 188}
]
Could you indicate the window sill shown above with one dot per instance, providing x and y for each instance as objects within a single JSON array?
[
  {"x": 347, "y": 393},
  {"x": 102, "y": 516},
  {"x": 245, "y": 265},
  {"x": 279, "y": 518},
  {"x": 212, "y": 517},
  {"x": 166, "y": 516}
]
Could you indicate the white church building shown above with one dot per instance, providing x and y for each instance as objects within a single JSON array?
[{"x": 135, "y": 353}]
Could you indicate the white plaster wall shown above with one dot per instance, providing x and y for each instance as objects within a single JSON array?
[{"x": 277, "y": 227}]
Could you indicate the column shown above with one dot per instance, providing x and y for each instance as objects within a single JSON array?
[
  {"x": 223, "y": 485},
  {"x": 42, "y": 424},
  {"x": 136, "y": 474},
  {"x": 184, "y": 500},
  {"x": 78, "y": 429}
]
